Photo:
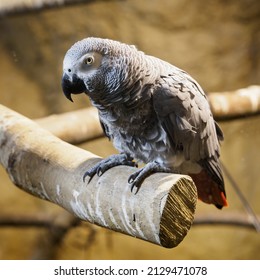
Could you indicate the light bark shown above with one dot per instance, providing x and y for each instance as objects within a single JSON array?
[
  {"x": 83, "y": 125},
  {"x": 235, "y": 104}
]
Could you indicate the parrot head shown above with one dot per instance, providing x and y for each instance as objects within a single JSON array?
[
  {"x": 81, "y": 68},
  {"x": 94, "y": 66}
]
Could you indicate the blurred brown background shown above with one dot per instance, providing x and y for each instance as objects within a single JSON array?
[{"x": 217, "y": 42}]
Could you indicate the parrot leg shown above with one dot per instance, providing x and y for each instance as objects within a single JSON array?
[
  {"x": 136, "y": 179},
  {"x": 105, "y": 164}
]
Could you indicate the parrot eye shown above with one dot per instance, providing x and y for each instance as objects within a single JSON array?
[{"x": 89, "y": 60}]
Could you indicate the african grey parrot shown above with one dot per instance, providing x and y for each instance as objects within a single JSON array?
[{"x": 153, "y": 112}]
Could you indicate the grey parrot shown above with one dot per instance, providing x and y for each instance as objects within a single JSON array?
[{"x": 153, "y": 112}]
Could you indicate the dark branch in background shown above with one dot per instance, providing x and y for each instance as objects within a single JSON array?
[
  {"x": 38, "y": 221},
  {"x": 229, "y": 219},
  {"x": 57, "y": 226},
  {"x": 23, "y": 7},
  {"x": 69, "y": 221}
]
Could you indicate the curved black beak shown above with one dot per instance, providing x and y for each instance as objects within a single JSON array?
[{"x": 72, "y": 86}]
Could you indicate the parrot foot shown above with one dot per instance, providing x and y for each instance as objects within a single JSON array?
[
  {"x": 137, "y": 178},
  {"x": 105, "y": 164}
]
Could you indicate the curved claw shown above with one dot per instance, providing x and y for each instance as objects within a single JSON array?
[
  {"x": 132, "y": 177},
  {"x": 88, "y": 174},
  {"x": 101, "y": 167},
  {"x": 99, "y": 171},
  {"x": 96, "y": 169},
  {"x": 137, "y": 178}
]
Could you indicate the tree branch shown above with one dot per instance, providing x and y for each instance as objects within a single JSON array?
[
  {"x": 8, "y": 7},
  {"x": 65, "y": 223},
  {"x": 74, "y": 127},
  {"x": 43, "y": 165},
  {"x": 83, "y": 125},
  {"x": 235, "y": 104},
  {"x": 229, "y": 219},
  {"x": 38, "y": 220}
]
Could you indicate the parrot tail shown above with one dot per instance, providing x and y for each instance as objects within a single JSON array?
[{"x": 208, "y": 190}]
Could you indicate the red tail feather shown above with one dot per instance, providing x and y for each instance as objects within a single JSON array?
[{"x": 209, "y": 191}]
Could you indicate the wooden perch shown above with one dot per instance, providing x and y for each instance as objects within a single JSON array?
[
  {"x": 74, "y": 127},
  {"x": 45, "y": 166},
  {"x": 235, "y": 104},
  {"x": 8, "y": 7},
  {"x": 83, "y": 125}
]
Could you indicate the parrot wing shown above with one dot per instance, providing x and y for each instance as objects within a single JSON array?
[
  {"x": 184, "y": 112},
  {"x": 186, "y": 117}
]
